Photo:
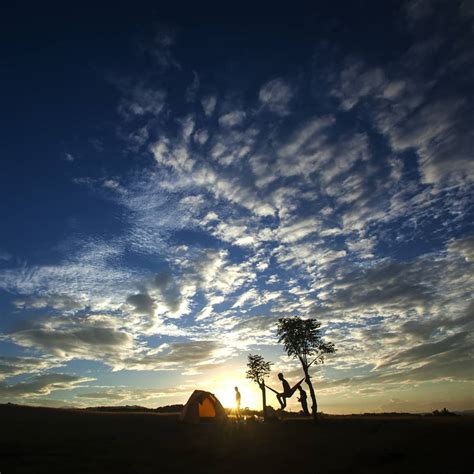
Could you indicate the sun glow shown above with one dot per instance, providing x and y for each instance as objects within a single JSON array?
[{"x": 251, "y": 398}]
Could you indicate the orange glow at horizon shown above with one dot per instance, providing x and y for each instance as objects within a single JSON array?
[{"x": 223, "y": 388}]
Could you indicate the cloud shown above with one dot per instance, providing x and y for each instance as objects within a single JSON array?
[
  {"x": 161, "y": 51},
  {"x": 352, "y": 209},
  {"x": 12, "y": 366},
  {"x": 298, "y": 230},
  {"x": 41, "y": 385},
  {"x": 141, "y": 100},
  {"x": 170, "y": 293},
  {"x": 415, "y": 108},
  {"x": 232, "y": 119},
  {"x": 174, "y": 355},
  {"x": 276, "y": 95},
  {"x": 231, "y": 147},
  {"x": 246, "y": 297},
  {"x": 127, "y": 396},
  {"x": 192, "y": 90},
  {"x": 209, "y": 103},
  {"x": 85, "y": 276},
  {"x": 142, "y": 303},
  {"x": 423, "y": 352},
  {"x": 358, "y": 82},
  {"x": 308, "y": 135},
  {"x": 188, "y": 352},
  {"x": 463, "y": 246},
  {"x": 5, "y": 256},
  {"x": 138, "y": 138},
  {"x": 54, "y": 301},
  {"x": 389, "y": 284},
  {"x": 437, "y": 130},
  {"x": 201, "y": 136},
  {"x": 304, "y": 150},
  {"x": 90, "y": 343}
]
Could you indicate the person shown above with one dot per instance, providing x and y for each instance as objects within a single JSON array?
[
  {"x": 237, "y": 402},
  {"x": 303, "y": 399},
  {"x": 287, "y": 392}
]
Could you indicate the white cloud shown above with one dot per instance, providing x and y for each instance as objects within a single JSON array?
[
  {"x": 54, "y": 301},
  {"x": 209, "y": 103},
  {"x": 201, "y": 136},
  {"x": 463, "y": 246},
  {"x": 276, "y": 95},
  {"x": 232, "y": 119},
  {"x": 12, "y": 366},
  {"x": 246, "y": 297},
  {"x": 41, "y": 385},
  {"x": 284, "y": 215},
  {"x": 298, "y": 230},
  {"x": 309, "y": 133},
  {"x": 142, "y": 100}
]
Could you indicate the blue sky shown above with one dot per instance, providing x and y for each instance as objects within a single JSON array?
[{"x": 174, "y": 182}]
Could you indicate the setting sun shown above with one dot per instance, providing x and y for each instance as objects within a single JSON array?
[{"x": 224, "y": 391}]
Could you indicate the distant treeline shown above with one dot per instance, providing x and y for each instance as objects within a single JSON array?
[
  {"x": 164, "y": 409},
  {"x": 245, "y": 411}
]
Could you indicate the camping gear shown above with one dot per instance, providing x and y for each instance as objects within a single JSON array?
[{"x": 203, "y": 406}]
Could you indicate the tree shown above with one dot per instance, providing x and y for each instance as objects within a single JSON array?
[
  {"x": 302, "y": 339},
  {"x": 258, "y": 369}
]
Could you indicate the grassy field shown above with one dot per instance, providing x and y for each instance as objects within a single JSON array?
[{"x": 37, "y": 440}]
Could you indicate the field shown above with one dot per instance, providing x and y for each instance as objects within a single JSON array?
[{"x": 37, "y": 440}]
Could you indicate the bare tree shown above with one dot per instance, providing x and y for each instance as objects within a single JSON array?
[
  {"x": 258, "y": 369},
  {"x": 302, "y": 339}
]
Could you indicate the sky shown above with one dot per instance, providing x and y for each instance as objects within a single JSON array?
[{"x": 174, "y": 180}]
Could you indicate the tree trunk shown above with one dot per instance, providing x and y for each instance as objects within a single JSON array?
[
  {"x": 264, "y": 402},
  {"x": 314, "y": 407}
]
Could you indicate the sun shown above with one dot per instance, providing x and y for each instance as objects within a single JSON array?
[{"x": 251, "y": 398}]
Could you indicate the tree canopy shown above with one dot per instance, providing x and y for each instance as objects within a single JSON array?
[
  {"x": 302, "y": 339},
  {"x": 258, "y": 368}
]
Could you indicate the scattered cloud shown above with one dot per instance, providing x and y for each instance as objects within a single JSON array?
[
  {"x": 40, "y": 385},
  {"x": 276, "y": 95},
  {"x": 236, "y": 206},
  {"x": 209, "y": 103},
  {"x": 232, "y": 119}
]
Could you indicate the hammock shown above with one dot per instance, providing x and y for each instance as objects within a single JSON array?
[{"x": 293, "y": 389}]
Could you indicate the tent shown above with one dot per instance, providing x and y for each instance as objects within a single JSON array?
[{"x": 203, "y": 406}]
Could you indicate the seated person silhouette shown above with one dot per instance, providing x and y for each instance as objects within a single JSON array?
[{"x": 287, "y": 392}]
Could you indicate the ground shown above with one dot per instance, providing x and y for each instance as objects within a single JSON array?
[{"x": 40, "y": 440}]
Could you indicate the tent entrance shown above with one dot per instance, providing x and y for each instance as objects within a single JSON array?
[{"x": 206, "y": 409}]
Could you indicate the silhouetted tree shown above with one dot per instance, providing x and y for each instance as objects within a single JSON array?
[
  {"x": 302, "y": 339},
  {"x": 258, "y": 369}
]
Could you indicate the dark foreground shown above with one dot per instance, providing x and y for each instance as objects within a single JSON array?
[{"x": 37, "y": 440}]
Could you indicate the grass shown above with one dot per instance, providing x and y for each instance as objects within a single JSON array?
[{"x": 37, "y": 440}]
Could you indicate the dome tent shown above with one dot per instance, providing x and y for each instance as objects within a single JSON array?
[{"x": 203, "y": 406}]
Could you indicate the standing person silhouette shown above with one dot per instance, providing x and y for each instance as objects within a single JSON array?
[
  {"x": 237, "y": 402},
  {"x": 303, "y": 399}
]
